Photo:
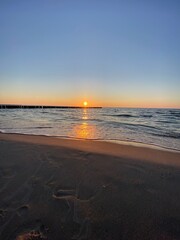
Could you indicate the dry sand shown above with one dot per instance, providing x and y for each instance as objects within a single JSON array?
[{"x": 66, "y": 189}]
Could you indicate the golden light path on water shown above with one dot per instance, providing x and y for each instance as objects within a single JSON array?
[{"x": 84, "y": 130}]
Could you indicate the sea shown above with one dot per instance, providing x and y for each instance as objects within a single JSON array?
[{"x": 155, "y": 127}]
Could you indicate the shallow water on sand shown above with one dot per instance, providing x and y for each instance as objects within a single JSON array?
[{"x": 159, "y": 127}]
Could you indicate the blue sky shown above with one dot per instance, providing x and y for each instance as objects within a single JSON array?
[{"x": 110, "y": 53}]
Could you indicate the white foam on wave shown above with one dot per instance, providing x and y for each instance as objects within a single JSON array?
[{"x": 2, "y": 131}]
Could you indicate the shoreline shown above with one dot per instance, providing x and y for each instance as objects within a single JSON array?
[
  {"x": 137, "y": 151},
  {"x": 115, "y": 141}
]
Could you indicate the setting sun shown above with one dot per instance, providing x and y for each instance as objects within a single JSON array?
[{"x": 85, "y": 104}]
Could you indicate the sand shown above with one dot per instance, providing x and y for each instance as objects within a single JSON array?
[{"x": 67, "y": 189}]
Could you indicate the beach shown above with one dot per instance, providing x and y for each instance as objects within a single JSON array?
[
  {"x": 89, "y": 120},
  {"x": 55, "y": 188}
]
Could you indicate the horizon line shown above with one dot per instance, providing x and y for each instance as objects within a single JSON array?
[
  {"x": 4, "y": 106},
  {"x": 8, "y": 106}
]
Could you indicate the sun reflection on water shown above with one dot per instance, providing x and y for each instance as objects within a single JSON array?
[
  {"x": 84, "y": 129},
  {"x": 84, "y": 114}
]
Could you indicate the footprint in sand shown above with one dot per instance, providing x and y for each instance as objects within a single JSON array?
[
  {"x": 60, "y": 194},
  {"x": 84, "y": 231},
  {"x": 69, "y": 195},
  {"x": 23, "y": 211}
]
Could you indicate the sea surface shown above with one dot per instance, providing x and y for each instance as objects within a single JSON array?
[{"x": 158, "y": 127}]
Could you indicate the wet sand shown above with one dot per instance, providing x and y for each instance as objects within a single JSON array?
[{"x": 67, "y": 189}]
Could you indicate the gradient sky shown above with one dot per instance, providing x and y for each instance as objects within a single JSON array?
[{"x": 110, "y": 53}]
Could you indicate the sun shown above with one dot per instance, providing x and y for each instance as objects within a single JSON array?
[{"x": 85, "y": 103}]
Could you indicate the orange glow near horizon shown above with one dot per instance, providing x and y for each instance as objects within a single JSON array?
[{"x": 94, "y": 102}]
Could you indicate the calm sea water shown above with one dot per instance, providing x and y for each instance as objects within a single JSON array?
[{"x": 159, "y": 127}]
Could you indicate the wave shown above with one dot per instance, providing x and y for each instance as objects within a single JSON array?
[
  {"x": 169, "y": 135},
  {"x": 94, "y": 120},
  {"x": 2, "y": 131},
  {"x": 175, "y": 113},
  {"x": 41, "y": 127},
  {"x": 122, "y": 115},
  {"x": 159, "y": 112},
  {"x": 164, "y": 121},
  {"x": 132, "y": 124},
  {"x": 133, "y": 116},
  {"x": 24, "y": 128},
  {"x": 146, "y": 116},
  {"x": 45, "y": 112}
]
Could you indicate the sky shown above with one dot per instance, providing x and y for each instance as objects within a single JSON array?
[{"x": 109, "y": 53}]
